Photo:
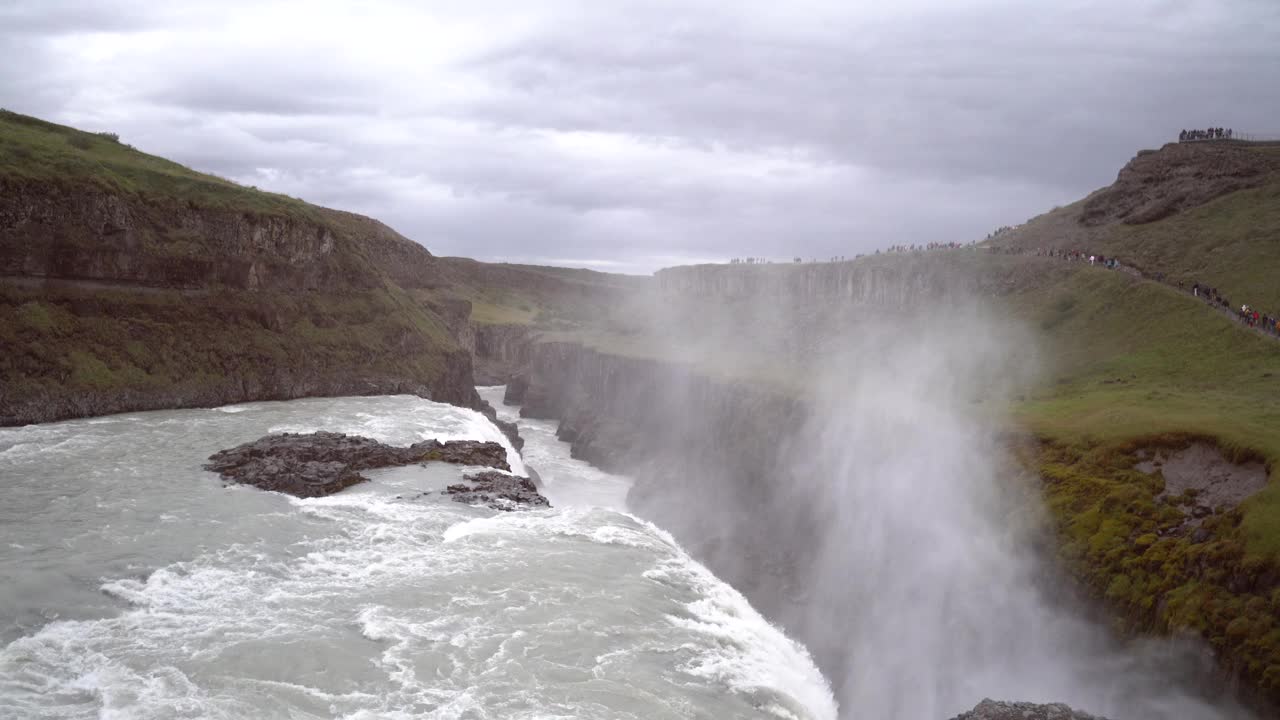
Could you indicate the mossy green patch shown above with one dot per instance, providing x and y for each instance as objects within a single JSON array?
[
  {"x": 36, "y": 316},
  {"x": 89, "y": 371},
  {"x": 517, "y": 313}
]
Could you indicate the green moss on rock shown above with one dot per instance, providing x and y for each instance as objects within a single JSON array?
[{"x": 1138, "y": 553}]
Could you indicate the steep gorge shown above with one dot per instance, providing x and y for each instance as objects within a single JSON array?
[{"x": 728, "y": 464}]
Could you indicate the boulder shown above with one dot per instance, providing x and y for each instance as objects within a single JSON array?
[
  {"x": 512, "y": 431},
  {"x": 323, "y": 463},
  {"x": 499, "y": 491},
  {"x": 516, "y": 388},
  {"x": 993, "y": 710}
]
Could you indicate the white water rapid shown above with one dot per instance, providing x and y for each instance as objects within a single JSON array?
[{"x": 136, "y": 586}]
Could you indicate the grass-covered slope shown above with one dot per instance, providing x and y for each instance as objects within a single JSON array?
[
  {"x": 131, "y": 282},
  {"x": 32, "y": 149},
  {"x": 1229, "y": 240},
  {"x": 1138, "y": 366},
  {"x": 1130, "y": 356}
]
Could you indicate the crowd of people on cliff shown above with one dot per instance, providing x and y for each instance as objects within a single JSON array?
[
  {"x": 1266, "y": 322},
  {"x": 1082, "y": 256},
  {"x": 1001, "y": 231},
  {"x": 1215, "y": 133},
  {"x": 922, "y": 247},
  {"x": 1251, "y": 316}
]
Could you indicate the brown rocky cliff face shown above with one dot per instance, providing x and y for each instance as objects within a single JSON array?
[
  {"x": 110, "y": 303},
  {"x": 500, "y": 352},
  {"x": 902, "y": 280},
  {"x": 993, "y": 710},
  {"x": 1157, "y": 184},
  {"x": 85, "y": 233}
]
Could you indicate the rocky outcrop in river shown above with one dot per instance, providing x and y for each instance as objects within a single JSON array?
[
  {"x": 498, "y": 491},
  {"x": 323, "y": 463},
  {"x": 993, "y": 710}
]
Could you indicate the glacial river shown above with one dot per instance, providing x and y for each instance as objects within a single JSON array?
[{"x": 133, "y": 584}]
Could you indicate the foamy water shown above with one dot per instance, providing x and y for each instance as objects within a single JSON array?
[
  {"x": 137, "y": 586},
  {"x": 566, "y": 481}
]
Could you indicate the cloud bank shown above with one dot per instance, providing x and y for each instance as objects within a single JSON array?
[{"x": 632, "y": 135}]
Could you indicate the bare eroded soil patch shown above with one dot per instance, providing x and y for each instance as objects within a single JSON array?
[{"x": 1216, "y": 482}]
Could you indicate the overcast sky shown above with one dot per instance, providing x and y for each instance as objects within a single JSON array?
[{"x": 632, "y": 135}]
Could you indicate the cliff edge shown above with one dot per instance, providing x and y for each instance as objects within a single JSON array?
[{"x": 128, "y": 282}]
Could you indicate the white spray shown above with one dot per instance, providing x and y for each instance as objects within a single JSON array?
[{"x": 922, "y": 597}]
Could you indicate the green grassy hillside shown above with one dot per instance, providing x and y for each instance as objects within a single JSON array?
[
  {"x": 1230, "y": 242},
  {"x": 36, "y": 150},
  {"x": 1130, "y": 356},
  {"x": 1140, "y": 364}
]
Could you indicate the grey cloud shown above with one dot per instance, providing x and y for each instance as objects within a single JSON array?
[
  {"x": 212, "y": 93},
  {"x": 54, "y": 17},
  {"x": 948, "y": 93},
  {"x": 264, "y": 82},
  {"x": 633, "y": 133}
]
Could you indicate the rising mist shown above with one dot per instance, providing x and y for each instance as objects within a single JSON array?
[{"x": 893, "y": 532}]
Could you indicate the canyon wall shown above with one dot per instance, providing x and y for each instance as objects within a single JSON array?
[
  {"x": 112, "y": 302},
  {"x": 703, "y": 454},
  {"x": 501, "y": 352},
  {"x": 884, "y": 280}
]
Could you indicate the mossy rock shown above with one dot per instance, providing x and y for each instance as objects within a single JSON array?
[{"x": 1140, "y": 557}]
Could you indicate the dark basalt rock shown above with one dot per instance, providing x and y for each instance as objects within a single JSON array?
[
  {"x": 993, "y": 710},
  {"x": 509, "y": 429},
  {"x": 516, "y": 388},
  {"x": 323, "y": 463},
  {"x": 512, "y": 431},
  {"x": 498, "y": 491}
]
